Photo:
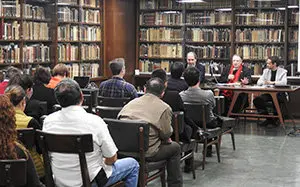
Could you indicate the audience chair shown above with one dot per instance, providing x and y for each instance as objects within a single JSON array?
[
  {"x": 228, "y": 123},
  {"x": 27, "y": 137},
  {"x": 113, "y": 101},
  {"x": 177, "y": 124},
  {"x": 93, "y": 92},
  {"x": 87, "y": 103},
  {"x": 199, "y": 114},
  {"x": 13, "y": 173},
  {"x": 108, "y": 112},
  {"x": 68, "y": 144},
  {"x": 132, "y": 139}
]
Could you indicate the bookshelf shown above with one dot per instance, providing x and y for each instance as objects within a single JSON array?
[
  {"x": 25, "y": 39},
  {"x": 216, "y": 30},
  {"x": 78, "y": 36}
]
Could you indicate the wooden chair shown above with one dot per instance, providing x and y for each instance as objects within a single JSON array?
[
  {"x": 87, "y": 103},
  {"x": 228, "y": 123},
  {"x": 199, "y": 114},
  {"x": 68, "y": 144},
  {"x": 26, "y": 137},
  {"x": 108, "y": 112},
  {"x": 113, "y": 101},
  {"x": 13, "y": 173},
  {"x": 132, "y": 139},
  {"x": 177, "y": 123}
]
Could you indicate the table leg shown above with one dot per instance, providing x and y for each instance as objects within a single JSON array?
[
  {"x": 235, "y": 95},
  {"x": 275, "y": 101}
]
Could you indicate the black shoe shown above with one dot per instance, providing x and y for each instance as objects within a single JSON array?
[{"x": 187, "y": 169}]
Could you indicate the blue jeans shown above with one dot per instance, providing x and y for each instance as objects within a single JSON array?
[{"x": 126, "y": 169}]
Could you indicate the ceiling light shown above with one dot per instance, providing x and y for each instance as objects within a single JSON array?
[
  {"x": 293, "y": 6},
  {"x": 223, "y": 9}
]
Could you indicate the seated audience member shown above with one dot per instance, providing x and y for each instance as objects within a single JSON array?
[
  {"x": 40, "y": 91},
  {"x": 272, "y": 75},
  {"x": 191, "y": 58},
  {"x": 60, "y": 71},
  {"x": 10, "y": 148},
  {"x": 10, "y": 73},
  {"x": 173, "y": 99},
  {"x": 235, "y": 73},
  {"x": 103, "y": 165},
  {"x": 194, "y": 94},
  {"x": 17, "y": 97},
  {"x": 150, "y": 108},
  {"x": 117, "y": 86},
  {"x": 175, "y": 82},
  {"x": 33, "y": 107}
]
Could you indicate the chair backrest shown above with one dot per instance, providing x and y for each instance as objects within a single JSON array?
[
  {"x": 13, "y": 172},
  {"x": 220, "y": 105},
  {"x": 129, "y": 135},
  {"x": 108, "y": 112},
  {"x": 87, "y": 102},
  {"x": 26, "y": 137},
  {"x": 65, "y": 143},
  {"x": 198, "y": 113},
  {"x": 93, "y": 92},
  {"x": 113, "y": 101},
  {"x": 44, "y": 107},
  {"x": 177, "y": 124}
]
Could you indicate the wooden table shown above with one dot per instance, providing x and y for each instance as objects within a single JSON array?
[{"x": 272, "y": 90}]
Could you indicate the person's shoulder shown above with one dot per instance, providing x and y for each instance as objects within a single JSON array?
[{"x": 282, "y": 69}]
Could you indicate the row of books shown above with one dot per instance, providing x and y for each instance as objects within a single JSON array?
[
  {"x": 10, "y": 31},
  {"x": 294, "y": 17},
  {"x": 293, "y": 53},
  {"x": 259, "y": 51},
  {"x": 210, "y": 51},
  {"x": 67, "y": 32},
  {"x": 257, "y": 4},
  {"x": 160, "y": 4},
  {"x": 293, "y": 35},
  {"x": 150, "y": 65},
  {"x": 90, "y": 52},
  {"x": 209, "y": 4},
  {"x": 90, "y": 3},
  {"x": 68, "y": 2},
  {"x": 260, "y": 18},
  {"x": 35, "y": 31},
  {"x": 211, "y": 35},
  {"x": 10, "y": 8},
  {"x": 9, "y": 54},
  {"x": 208, "y": 18},
  {"x": 88, "y": 33},
  {"x": 90, "y": 16},
  {"x": 36, "y": 53},
  {"x": 33, "y": 12},
  {"x": 161, "y": 50},
  {"x": 161, "y": 18},
  {"x": 161, "y": 34},
  {"x": 83, "y": 69},
  {"x": 67, "y": 14},
  {"x": 260, "y": 35},
  {"x": 67, "y": 52}
]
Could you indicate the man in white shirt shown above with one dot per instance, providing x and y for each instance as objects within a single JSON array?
[{"x": 103, "y": 165}]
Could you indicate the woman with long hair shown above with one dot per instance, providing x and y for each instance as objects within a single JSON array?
[{"x": 10, "y": 148}]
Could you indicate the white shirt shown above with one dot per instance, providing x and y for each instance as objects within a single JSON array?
[{"x": 75, "y": 120}]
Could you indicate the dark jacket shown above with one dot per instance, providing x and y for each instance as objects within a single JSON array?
[
  {"x": 201, "y": 68},
  {"x": 176, "y": 85},
  {"x": 246, "y": 72}
]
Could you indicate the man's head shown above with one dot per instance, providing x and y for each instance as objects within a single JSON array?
[
  {"x": 60, "y": 70},
  {"x": 16, "y": 95},
  {"x": 177, "y": 69},
  {"x": 272, "y": 62},
  {"x": 159, "y": 73},
  {"x": 191, "y": 76},
  {"x": 67, "y": 93},
  {"x": 25, "y": 81},
  {"x": 117, "y": 66},
  {"x": 11, "y": 72},
  {"x": 191, "y": 58},
  {"x": 42, "y": 75},
  {"x": 236, "y": 61},
  {"x": 155, "y": 86}
]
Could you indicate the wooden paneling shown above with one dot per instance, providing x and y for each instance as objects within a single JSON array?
[{"x": 120, "y": 34}]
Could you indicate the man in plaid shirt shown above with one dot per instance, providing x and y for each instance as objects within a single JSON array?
[{"x": 117, "y": 86}]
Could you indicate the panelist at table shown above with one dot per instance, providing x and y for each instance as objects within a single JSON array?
[
  {"x": 272, "y": 75},
  {"x": 236, "y": 73}
]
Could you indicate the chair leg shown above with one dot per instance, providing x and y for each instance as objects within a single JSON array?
[
  {"x": 193, "y": 166},
  {"x": 232, "y": 139},
  {"x": 204, "y": 153},
  {"x": 163, "y": 178},
  {"x": 143, "y": 179},
  {"x": 218, "y": 150},
  {"x": 220, "y": 140}
]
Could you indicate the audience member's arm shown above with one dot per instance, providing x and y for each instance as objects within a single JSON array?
[
  {"x": 166, "y": 127},
  {"x": 111, "y": 160},
  {"x": 33, "y": 123}
]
